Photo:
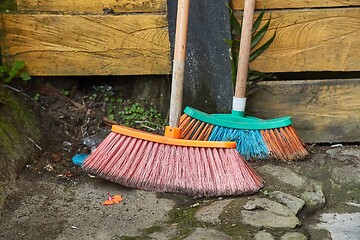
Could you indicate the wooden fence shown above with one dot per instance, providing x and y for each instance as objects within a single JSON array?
[
  {"x": 313, "y": 37},
  {"x": 87, "y": 37},
  {"x": 131, "y": 37}
]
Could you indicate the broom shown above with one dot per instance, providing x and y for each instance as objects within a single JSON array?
[
  {"x": 255, "y": 138},
  {"x": 166, "y": 163}
]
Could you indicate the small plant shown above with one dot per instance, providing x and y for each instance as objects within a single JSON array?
[
  {"x": 65, "y": 92},
  {"x": 15, "y": 70},
  {"x": 7, "y": 5},
  {"x": 135, "y": 115},
  {"x": 127, "y": 113},
  {"x": 103, "y": 93},
  {"x": 37, "y": 97},
  {"x": 257, "y": 35}
]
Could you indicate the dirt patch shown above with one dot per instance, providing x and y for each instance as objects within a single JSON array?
[
  {"x": 79, "y": 117},
  {"x": 55, "y": 199},
  {"x": 55, "y": 208}
]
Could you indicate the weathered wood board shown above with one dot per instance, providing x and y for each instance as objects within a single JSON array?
[
  {"x": 322, "y": 110},
  {"x": 287, "y": 4},
  {"x": 60, "y": 45},
  {"x": 92, "y": 6},
  {"x": 312, "y": 40}
]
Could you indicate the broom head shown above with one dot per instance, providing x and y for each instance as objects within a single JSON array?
[
  {"x": 163, "y": 164},
  {"x": 255, "y": 138}
]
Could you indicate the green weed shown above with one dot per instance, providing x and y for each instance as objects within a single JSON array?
[
  {"x": 7, "y": 73},
  {"x": 127, "y": 113}
]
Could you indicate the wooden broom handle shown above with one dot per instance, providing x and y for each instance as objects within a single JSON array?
[
  {"x": 179, "y": 62},
  {"x": 244, "y": 52}
]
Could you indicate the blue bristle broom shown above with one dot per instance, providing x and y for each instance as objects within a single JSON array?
[{"x": 255, "y": 138}]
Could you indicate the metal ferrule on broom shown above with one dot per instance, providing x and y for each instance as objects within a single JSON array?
[
  {"x": 168, "y": 164},
  {"x": 255, "y": 138}
]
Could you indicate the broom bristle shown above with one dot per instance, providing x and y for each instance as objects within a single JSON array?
[
  {"x": 152, "y": 166},
  {"x": 280, "y": 143}
]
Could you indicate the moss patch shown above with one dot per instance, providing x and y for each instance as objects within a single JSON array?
[
  {"x": 21, "y": 116},
  {"x": 18, "y": 124},
  {"x": 130, "y": 238},
  {"x": 8, "y": 135},
  {"x": 152, "y": 229},
  {"x": 3, "y": 196},
  {"x": 231, "y": 220},
  {"x": 16, "y": 121},
  {"x": 185, "y": 219}
]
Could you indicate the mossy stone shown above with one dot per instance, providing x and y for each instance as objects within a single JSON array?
[{"x": 19, "y": 131}]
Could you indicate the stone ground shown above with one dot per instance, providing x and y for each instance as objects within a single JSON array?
[
  {"x": 51, "y": 198},
  {"x": 317, "y": 198}
]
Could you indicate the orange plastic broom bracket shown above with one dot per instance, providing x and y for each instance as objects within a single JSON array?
[
  {"x": 168, "y": 140},
  {"x": 172, "y": 132}
]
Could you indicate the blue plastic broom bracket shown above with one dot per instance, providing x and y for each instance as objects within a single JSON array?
[{"x": 238, "y": 122}]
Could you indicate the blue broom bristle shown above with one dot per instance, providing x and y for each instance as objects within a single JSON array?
[{"x": 249, "y": 143}]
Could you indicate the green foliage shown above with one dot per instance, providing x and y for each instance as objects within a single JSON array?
[
  {"x": 15, "y": 70},
  {"x": 7, "y": 5},
  {"x": 128, "y": 113},
  {"x": 37, "y": 97},
  {"x": 65, "y": 92},
  {"x": 257, "y": 35},
  {"x": 135, "y": 115}
]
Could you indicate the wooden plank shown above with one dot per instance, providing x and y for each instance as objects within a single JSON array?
[
  {"x": 288, "y": 4},
  {"x": 58, "y": 45},
  {"x": 322, "y": 110},
  {"x": 312, "y": 40},
  {"x": 93, "y": 6}
]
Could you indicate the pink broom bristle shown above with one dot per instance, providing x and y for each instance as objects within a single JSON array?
[{"x": 151, "y": 166}]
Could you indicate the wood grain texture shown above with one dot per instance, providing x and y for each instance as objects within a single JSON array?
[
  {"x": 287, "y": 4},
  {"x": 322, "y": 110},
  {"x": 92, "y": 6},
  {"x": 312, "y": 40},
  {"x": 58, "y": 45}
]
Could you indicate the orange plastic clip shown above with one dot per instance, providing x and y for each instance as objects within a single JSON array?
[{"x": 169, "y": 140}]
